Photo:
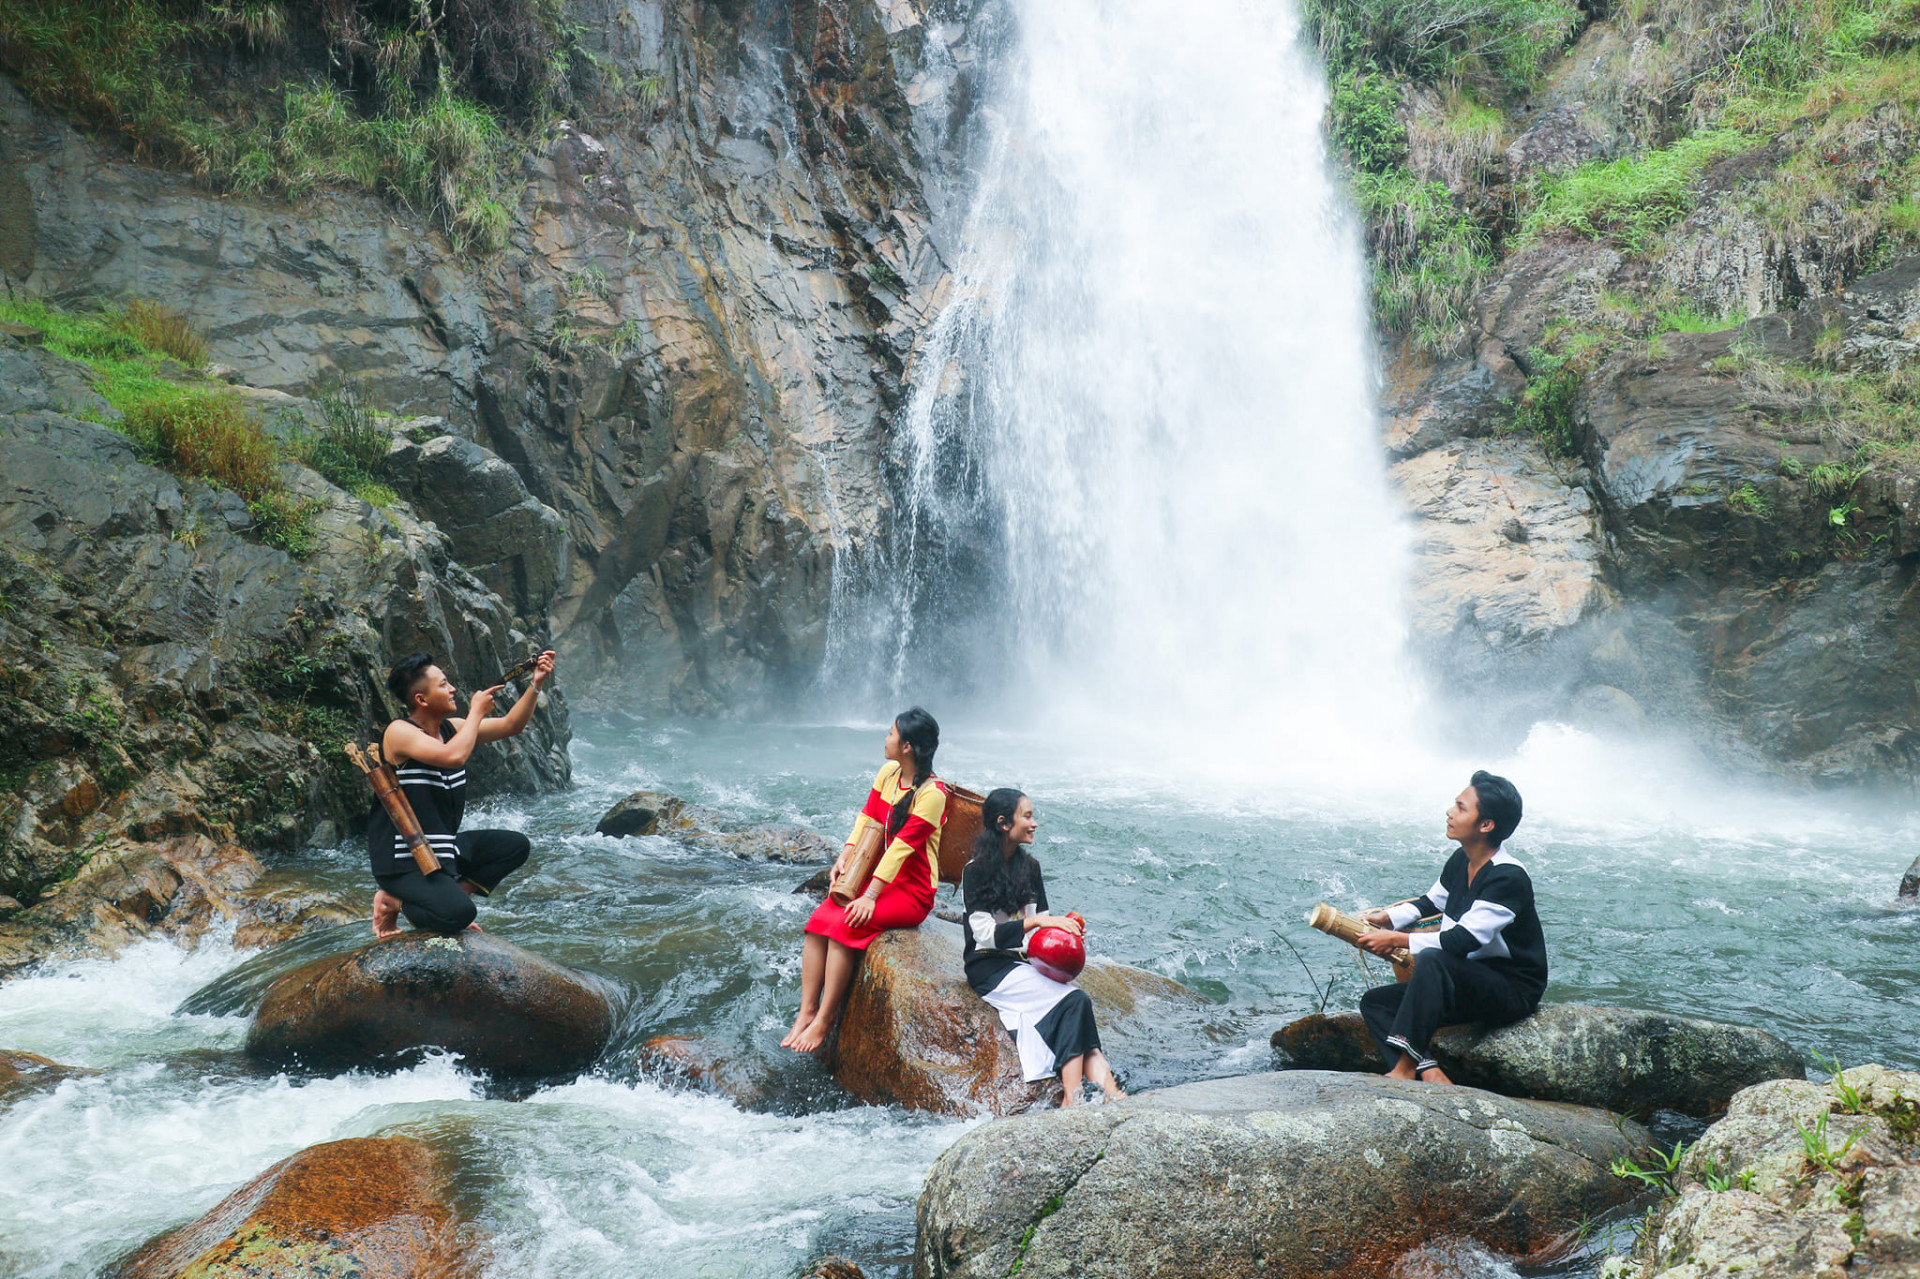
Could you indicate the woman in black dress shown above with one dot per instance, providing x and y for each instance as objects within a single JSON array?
[{"x": 1006, "y": 899}]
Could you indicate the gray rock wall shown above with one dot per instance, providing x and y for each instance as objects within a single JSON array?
[{"x": 689, "y": 352}]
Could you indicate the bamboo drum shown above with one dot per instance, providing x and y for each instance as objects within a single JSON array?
[
  {"x": 387, "y": 787},
  {"x": 957, "y": 833},
  {"x": 1337, "y": 923}
]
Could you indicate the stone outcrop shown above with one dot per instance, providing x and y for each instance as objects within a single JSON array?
[
  {"x": 708, "y": 1066},
  {"x": 1798, "y": 1179},
  {"x": 914, "y": 1033},
  {"x": 21, "y": 1072},
  {"x": 507, "y": 1012},
  {"x": 127, "y": 891},
  {"x": 657, "y": 813},
  {"x": 373, "y": 1207},
  {"x": 163, "y": 672},
  {"x": 1616, "y": 1058},
  {"x": 1279, "y": 1175},
  {"x": 1910, "y": 882}
]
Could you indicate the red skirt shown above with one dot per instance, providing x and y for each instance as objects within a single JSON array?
[{"x": 895, "y": 907}]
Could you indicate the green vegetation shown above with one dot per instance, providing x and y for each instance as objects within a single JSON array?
[
  {"x": 1661, "y": 1171},
  {"x": 412, "y": 99},
  {"x": 1748, "y": 500},
  {"x": 203, "y": 430},
  {"x": 1629, "y": 200},
  {"x": 1429, "y": 256},
  {"x": 1494, "y": 46}
]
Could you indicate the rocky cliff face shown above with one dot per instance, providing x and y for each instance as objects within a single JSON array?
[
  {"x": 167, "y": 673},
  {"x": 1637, "y": 505},
  {"x": 689, "y": 351}
]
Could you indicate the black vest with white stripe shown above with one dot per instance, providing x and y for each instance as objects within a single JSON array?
[{"x": 439, "y": 799}]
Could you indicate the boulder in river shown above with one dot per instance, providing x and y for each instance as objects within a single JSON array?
[
  {"x": 707, "y": 1065},
  {"x": 20, "y": 1071},
  {"x": 371, "y": 1207},
  {"x": 1284, "y": 1176},
  {"x": 1910, "y": 882},
  {"x": 1618, "y": 1058},
  {"x": 647, "y": 812},
  {"x": 916, "y": 1035},
  {"x": 1798, "y": 1179},
  {"x": 508, "y": 1012}
]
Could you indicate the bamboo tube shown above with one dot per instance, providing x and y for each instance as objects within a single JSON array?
[
  {"x": 1337, "y": 923},
  {"x": 387, "y": 788},
  {"x": 860, "y": 863}
]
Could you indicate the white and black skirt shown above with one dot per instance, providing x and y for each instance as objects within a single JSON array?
[{"x": 1050, "y": 1021}]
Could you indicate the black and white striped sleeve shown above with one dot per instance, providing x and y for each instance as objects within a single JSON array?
[{"x": 1432, "y": 903}]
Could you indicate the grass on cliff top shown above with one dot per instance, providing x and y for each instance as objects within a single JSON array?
[
  {"x": 196, "y": 429},
  {"x": 1496, "y": 46},
  {"x": 406, "y": 103},
  {"x": 1632, "y": 200}
]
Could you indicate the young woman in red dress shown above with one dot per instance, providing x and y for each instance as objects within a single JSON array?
[{"x": 910, "y": 805}]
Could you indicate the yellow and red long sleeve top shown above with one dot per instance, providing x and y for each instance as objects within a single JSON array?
[{"x": 915, "y": 849}]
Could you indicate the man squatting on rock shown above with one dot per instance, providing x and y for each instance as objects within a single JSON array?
[
  {"x": 1486, "y": 963},
  {"x": 428, "y": 751}
]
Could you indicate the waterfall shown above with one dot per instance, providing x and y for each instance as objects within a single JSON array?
[{"x": 1140, "y": 470}]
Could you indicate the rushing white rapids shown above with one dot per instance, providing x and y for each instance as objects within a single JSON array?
[{"x": 1146, "y": 420}]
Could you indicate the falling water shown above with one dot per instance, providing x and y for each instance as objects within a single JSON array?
[{"x": 1141, "y": 467}]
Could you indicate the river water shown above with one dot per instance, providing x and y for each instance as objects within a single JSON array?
[{"x": 1746, "y": 908}]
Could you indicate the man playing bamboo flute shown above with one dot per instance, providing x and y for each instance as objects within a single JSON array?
[
  {"x": 1486, "y": 963},
  {"x": 429, "y": 749}
]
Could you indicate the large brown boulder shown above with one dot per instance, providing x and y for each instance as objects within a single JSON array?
[
  {"x": 1282, "y": 1176},
  {"x": 916, "y": 1035},
  {"x": 1618, "y": 1058},
  {"x": 507, "y": 1011},
  {"x": 371, "y": 1207}
]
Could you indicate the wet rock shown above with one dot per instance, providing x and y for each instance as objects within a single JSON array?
[
  {"x": 1560, "y": 138},
  {"x": 512, "y": 541},
  {"x": 1285, "y": 1175},
  {"x": 507, "y": 1011},
  {"x": 1753, "y": 1202},
  {"x": 707, "y": 1065},
  {"x": 1618, "y": 1058},
  {"x": 1608, "y": 711},
  {"x": 916, "y": 1035},
  {"x": 832, "y": 1268},
  {"x": 1910, "y": 882},
  {"x": 658, "y": 813},
  {"x": 1508, "y": 551},
  {"x": 22, "y": 1071},
  {"x": 639, "y": 814},
  {"x": 279, "y": 909},
  {"x": 1319, "y": 1042},
  {"x": 373, "y": 1207},
  {"x": 129, "y": 891}
]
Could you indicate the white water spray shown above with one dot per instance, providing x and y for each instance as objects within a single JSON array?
[{"x": 1146, "y": 421}]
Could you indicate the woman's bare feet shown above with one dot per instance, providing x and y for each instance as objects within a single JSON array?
[
  {"x": 810, "y": 1038},
  {"x": 801, "y": 1021},
  {"x": 1116, "y": 1093},
  {"x": 386, "y": 914}
]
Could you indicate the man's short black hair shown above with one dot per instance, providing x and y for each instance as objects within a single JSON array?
[
  {"x": 1499, "y": 804},
  {"x": 405, "y": 677}
]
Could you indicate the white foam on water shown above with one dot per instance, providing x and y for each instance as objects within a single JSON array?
[
  {"x": 94, "y": 1166},
  {"x": 598, "y": 1174}
]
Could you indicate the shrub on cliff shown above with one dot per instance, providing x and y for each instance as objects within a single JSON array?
[{"x": 401, "y": 100}]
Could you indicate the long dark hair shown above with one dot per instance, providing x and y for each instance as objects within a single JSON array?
[
  {"x": 1001, "y": 882},
  {"x": 918, "y": 730}
]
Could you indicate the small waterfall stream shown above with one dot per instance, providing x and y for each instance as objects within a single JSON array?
[{"x": 1141, "y": 471}]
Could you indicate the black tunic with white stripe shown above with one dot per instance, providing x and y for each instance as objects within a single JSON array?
[
  {"x": 996, "y": 939},
  {"x": 1492, "y": 920},
  {"x": 439, "y": 800}
]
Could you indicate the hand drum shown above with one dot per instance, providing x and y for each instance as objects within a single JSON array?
[{"x": 1056, "y": 953}]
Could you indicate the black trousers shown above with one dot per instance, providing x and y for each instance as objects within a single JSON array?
[
  {"x": 436, "y": 902},
  {"x": 1445, "y": 990}
]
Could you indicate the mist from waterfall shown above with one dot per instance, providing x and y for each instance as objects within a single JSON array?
[{"x": 1140, "y": 467}]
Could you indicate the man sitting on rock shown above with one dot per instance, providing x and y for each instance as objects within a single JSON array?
[
  {"x": 428, "y": 751},
  {"x": 1486, "y": 963}
]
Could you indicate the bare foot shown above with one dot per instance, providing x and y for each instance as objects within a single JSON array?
[
  {"x": 1434, "y": 1075},
  {"x": 800, "y": 1022},
  {"x": 475, "y": 928},
  {"x": 1115, "y": 1093},
  {"x": 386, "y": 914},
  {"x": 1069, "y": 1098},
  {"x": 811, "y": 1037},
  {"x": 1403, "y": 1069}
]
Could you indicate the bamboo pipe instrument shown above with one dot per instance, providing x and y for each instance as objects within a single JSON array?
[
  {"x": 387, "y": 787},
  {"x": 1337, "y": 923},
  {"x": 957, "y": 834}
]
